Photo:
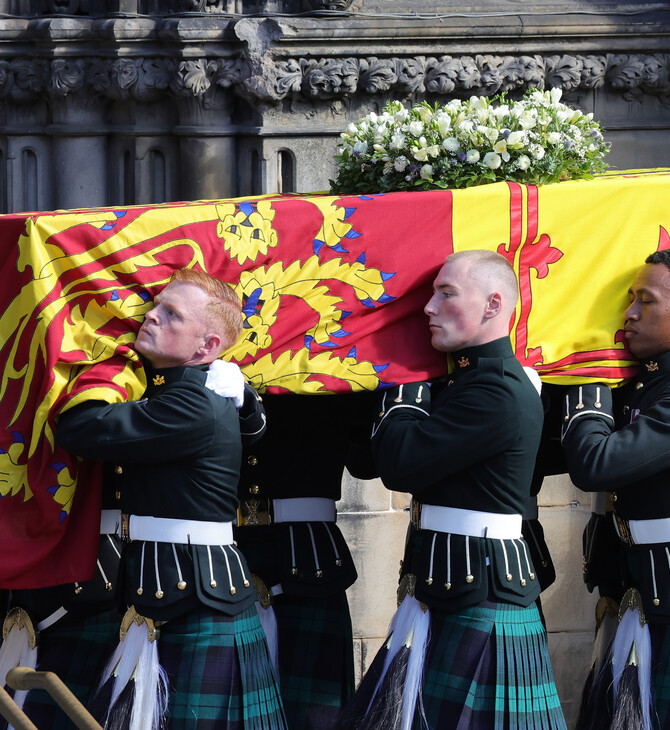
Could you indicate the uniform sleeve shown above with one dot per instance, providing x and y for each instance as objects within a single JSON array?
[
  {"x": 253, "y": 422},
  {"x": 175, "y": 424},
  {"x": 413, "y": 448},
  {"x": 601, "y": 458}
]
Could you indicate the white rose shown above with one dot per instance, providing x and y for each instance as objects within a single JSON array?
[
  {"x": 433, "y": 150},
  {"x": 416, "y": 128},
  {"x": 492, "y": 160},
  {"x": 426, "y": 172},
  {"x": 397, "y": 141}
]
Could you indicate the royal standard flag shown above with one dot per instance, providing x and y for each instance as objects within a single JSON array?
[{"x": 333, "y": 290}]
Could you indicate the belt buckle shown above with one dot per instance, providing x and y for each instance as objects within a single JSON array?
[
  {"x": 254, "y": 512},
  {"x": 125, "y": 527},
  {"x": 415, "y": 515},
  {"x": 623, "y": 528}
]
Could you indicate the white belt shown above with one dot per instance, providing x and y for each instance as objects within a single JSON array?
[
  {"x": 470, "y": 522},
  {"x": 304, "y": 509},
  {"x": 165, "y": 529},
  {"x": 641, "y": 532},
  {"x": 110, "y": 519}
]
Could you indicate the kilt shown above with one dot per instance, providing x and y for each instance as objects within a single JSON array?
[
  {"x": 488, "y": 668},
  {"x": 660, "y": 673},
  {"x": 219, "y": 672},
  {"x": 316, "y": 662},
  {"x": 76, "y": 649}
]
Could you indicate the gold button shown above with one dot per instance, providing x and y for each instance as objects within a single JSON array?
[
  {"x": 252, "y": 460},
  {"x": 181, "y": 585},
  {"x": 429, "y": 581},
  {"x": 639, "y": 385},
  {"x": 447, "y": 586},
  {"x": 118, "y": 469},
  {"x": 108, "y": 586},
  {"x": 523, "y": 582},
  {"x": 213, "y": 583},
  {"x": 254, "y": 489},
  {"x": 233, "y": 590},
  {"x": 508, "y": 577},
  {"x": 117, "y": 494},
  {"x": 469, "y": 578},
  {"x": 657, "y": 602},
  {"x": 140, "y": 591},
  {"x": 78, "y": 590},
  {"x": 159, "y": 594},
  {"x": 614, "y": 497}
]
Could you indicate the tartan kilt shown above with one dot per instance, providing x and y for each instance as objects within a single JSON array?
[
  {"x": 488, "y": 668},
  {"x": 219, "y": 672},
  {"x": 316, "y": 659},
  {"x": 76, "y": 649},
  {"x": 660, "y": 674}
]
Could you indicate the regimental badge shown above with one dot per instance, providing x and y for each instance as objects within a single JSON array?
[
  {"x": 159, "y": 379},
  {"x": 651, "y": 366},
  {"x": 464, "y": 362}
]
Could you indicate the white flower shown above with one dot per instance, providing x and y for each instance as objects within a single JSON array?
[
  {"x": 443, "y": 124},
  {"x": 420, "y": 153},
  {"x": 537, "y": 150},
  {"x": 361, "y": 147},
  {"x": 466, "y": 127},
  {"x": 401, "y": 115},
  {"x": 528, "y": 119},
  {"x": 554, "y": 137},
  {"x": 472, "y": 156},
  {"x": 424, "y": 113},
  {"x": 451, "y": 144},
  {"x": 433, "y": 150},
  {"x": 388, "y": 168},
  {"x": 515, "y": 139},
  {"x": 426, "y": 172},
  {"x": 372, "y": 117},
  {"x": 501, "y": 148},
  {"x": 523, "y": 163},
  {"x": 492, "y": 160},
  {"x": 397, "y": 141},
  {"x": 416, "y": 128},
  {"x": 555, "y": 95},
  {"x": 400, "y": 163},
  {"x": 352, "y": 129},
  {"x": 379, "y": 148}
]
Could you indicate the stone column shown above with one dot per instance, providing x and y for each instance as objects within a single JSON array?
[{"x": 79, "y": 136}]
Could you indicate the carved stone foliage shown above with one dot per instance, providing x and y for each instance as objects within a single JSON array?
[
  {"x": 466, "y": 75},
  {"x": 144, "y": 79}
]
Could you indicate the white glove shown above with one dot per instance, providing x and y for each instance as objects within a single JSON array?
[
  {"x": 226, "y": 380},
  {"x": 534, "y": 378}
]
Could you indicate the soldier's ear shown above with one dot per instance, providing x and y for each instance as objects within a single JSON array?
[
  {"x": 493, "y": 305},
  {"x": 211, "y": 344}
]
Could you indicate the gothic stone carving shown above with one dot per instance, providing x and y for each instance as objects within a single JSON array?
[{"x": 25, "y": 79}]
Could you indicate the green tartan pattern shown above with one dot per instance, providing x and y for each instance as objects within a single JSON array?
[
  {"x": 660, "y": 674},
  {"x": 75, "y": 649},
  {"x": 220, "y": 673},
  {"x": 316, "y": 662},
  {"x": 488, "y": 668}
]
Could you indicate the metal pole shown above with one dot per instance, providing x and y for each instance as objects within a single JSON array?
[
  {"x": 23, "y": 678},
  {"x": 11, "y": 712}
]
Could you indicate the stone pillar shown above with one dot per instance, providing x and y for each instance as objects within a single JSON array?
[{"x": 79, "y": 136}]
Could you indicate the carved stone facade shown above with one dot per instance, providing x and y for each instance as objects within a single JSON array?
[{"x": 138, "y": 101}]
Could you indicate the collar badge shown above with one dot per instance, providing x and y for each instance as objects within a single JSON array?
[
  {"x": 464, "y": 362},
  {"x": 652, "y": 366},
  {"x": 159, "y": 379}
]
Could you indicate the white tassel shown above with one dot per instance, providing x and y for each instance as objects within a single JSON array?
[
  {"x": 632, "y": 640},
  {"x": 135, "y": 659},
  {"x": 410, "y": 627},
  {"x": 18, "y": 648}
]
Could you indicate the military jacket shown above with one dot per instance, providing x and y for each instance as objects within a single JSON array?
[
  {"x": 309, "y": 441},
  {"x": 619, "y": 441},
  {"x": 178, "y": 451},
  {"x": 469, "y": 442}
]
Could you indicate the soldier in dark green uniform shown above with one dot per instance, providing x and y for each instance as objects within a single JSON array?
[
  {"x": 180, "y": 451},
  {"x": 619, "y": 441},
  {"x": 287, "y": 529},
  {"x": 465, "y": 449}
]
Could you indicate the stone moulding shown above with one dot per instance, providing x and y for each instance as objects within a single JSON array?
[{"x": 23, "y": 80}]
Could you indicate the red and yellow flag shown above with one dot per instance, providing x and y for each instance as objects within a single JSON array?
[{"x": 333, "y": 289}]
